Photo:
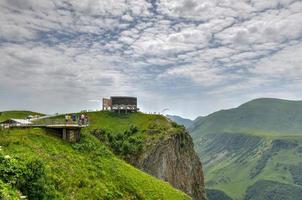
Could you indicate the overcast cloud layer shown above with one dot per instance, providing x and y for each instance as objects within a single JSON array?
[{"x": 191, "y": 56}]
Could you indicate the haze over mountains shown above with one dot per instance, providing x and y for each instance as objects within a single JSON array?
[
  {"x": 253, "y": 151},
  {"x": 182, "y": 121}
]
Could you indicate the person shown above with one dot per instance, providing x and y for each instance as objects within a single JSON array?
[
  {"x": 74, "y": 117},
  {"x": 79, "y": 120},
  {"x": 66, "y": 118},
  {"x": 86, "y": 119},
  {"x": 82, "y": 119}
]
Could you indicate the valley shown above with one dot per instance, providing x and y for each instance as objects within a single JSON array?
[{"x": 258, "y": 143}]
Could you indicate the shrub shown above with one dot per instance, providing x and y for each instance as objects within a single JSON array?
[
  {"x": 125, "y": 144},
  {"x": 28, "y": 177},
  {"x": 174, "y": 125},
  {"x": 85, "y": 145},
  {"x": 7, "y": 192}
]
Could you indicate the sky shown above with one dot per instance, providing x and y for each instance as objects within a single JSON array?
[{"x": 188, "y": 57}]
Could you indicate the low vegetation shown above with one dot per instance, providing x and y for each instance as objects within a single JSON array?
[
  {"x": 27, "y": 176},
  {"x": 49, "y": 168},
  {"x": 267, "y": 190},
  {"x": 126, "y": 144},
  {"x": 217, "y": 195},
  {"x": 7, "y": 192},
  {"x": 258, "y": 141}
]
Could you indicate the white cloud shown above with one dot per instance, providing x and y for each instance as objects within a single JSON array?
[
  {"x": 285, "y": 64},
  {"x": 132, "y": 47}
]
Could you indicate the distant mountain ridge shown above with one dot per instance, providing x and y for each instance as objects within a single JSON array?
[
  {"x": 257, "y": 142},
  {"x": 180, "y": 120},
  {"x": 266, "y": 114}
]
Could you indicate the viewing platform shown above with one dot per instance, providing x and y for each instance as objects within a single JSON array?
[{"x": 69, "y": 131}]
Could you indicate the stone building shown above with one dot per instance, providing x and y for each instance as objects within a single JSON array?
[{"x": 120, "y": 104}]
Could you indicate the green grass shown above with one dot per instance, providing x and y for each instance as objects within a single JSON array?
[
  {"x": 260, "y": 115},
  {"x": 17, "y": 114},
  {"x": 7, "y": 192},
  {"x": 89, "y": 171},
  {"x": 118, "y": 123},
  {"x": 150, "y": 128},
  {"x": 259, "y": 140},
  {"x": 267, "y": 190},
  {"x": 233, "y": 177}
]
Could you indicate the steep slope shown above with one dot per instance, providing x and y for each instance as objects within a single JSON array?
[
  {"x": 181, "y": 121},
  {"x": 217, "y": 195},
  {"x": 174, "y": 160},
  {"x": 273, "y": 190},
  {"x": 258, "y": 141},
  {"x": 151, "y": 143},
  {"x": 167, "y": 153},
  {"x": 86, "y": 170},
  {"x": 269, "y": 115}
]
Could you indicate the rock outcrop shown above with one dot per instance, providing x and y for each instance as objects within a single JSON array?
[{"x": 174, "y": 160}]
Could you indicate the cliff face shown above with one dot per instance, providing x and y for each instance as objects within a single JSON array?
[{"x": 174, "y": 160}]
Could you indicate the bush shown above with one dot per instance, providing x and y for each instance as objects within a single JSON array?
[
  {"x": 29, "y": 178},
  {"x": 174, "y": 125},
  {"x": 125, "y": 144},
  {"x": 7, "y": 192},
  {"x": 85, "y": 145}
]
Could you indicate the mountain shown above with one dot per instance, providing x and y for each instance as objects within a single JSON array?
[
  {"x": 258, "y": 142},
  {"x": 270, "y": 115},
  {"x": 181, "y": 121},
  {"x": 35, "y": 163}
]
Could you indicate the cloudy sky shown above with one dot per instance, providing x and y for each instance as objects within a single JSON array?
[{"x": 190, "y": 56}]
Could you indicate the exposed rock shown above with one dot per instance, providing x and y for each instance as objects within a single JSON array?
[{"x": 174, "y": 160}]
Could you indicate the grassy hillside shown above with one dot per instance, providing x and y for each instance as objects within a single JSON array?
[
  {"x": 267, "y": 116},
  {"x": 213, "y": 194},
  {"x": 17, "y": 114},
  {"x": 86, "y": 170},
  {"x": 273, "y": 190},
  {"x": 258, "y": 141}
]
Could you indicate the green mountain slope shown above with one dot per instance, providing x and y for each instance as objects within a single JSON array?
[
  {"x": 153, "y": 144},
  {"x": 264, "y": 115},
  {"x": 258, "y": 141},
  {"x": 86, "y": 170},
  {"x": 213, "y": 194},
  {"x": 181, "y": 121},
  {"x": 273, "y": 190}
]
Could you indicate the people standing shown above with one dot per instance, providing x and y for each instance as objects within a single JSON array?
[
  {"x": 86, "y": 119},
  {"x": 74, "y": 117},
  {"x": 66, "y": 119},
  {"x": 82, "y": 119}
]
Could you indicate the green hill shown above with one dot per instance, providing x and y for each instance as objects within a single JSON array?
[
  {"x": 265, "y": 115},
  {"x": 273, "y": 190},
  {"x": 258, "y": 141},
  {"x": 37, "y": 164},
  {"x": 17, "y": 114},
  {"x": 213, "y": 194}
]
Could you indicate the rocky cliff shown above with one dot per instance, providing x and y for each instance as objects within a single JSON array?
[
  {"x": 154, "y": 144},
  {"x": 174, "y": 160}
]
